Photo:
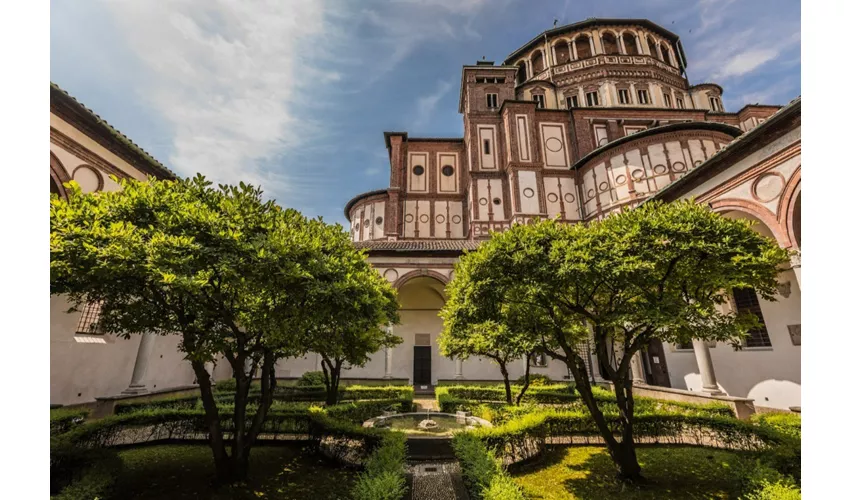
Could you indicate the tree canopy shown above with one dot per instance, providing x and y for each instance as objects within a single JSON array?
[
  {"x": 660, "y": 271},
  {"x": 229, "y": 272}
]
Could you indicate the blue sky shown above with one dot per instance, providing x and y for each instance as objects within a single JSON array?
[{"x": 294, "y": 94}]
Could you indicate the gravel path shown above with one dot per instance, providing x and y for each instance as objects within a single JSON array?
[{"x": 437, "y": 481}]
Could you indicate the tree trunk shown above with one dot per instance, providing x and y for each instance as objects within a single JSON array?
[
  {"x": 331, "y": 371},
  {"x": 527, "y": 380},
  {"x": 213, "y": 420},
  {"x": 238, "y": 448},
  {"x": 629, "y": 468},
  {"x": 506, "y": 376},
  {"x": 623, "y": 454}
]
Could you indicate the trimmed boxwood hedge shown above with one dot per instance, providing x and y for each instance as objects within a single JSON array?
[
  {"x": 384, "y": 477},
  {"x": 483, "y": 475},
  {"x": 281, "y": 394},
  {"x": 63, "y": 420},
  {"x": 786, "y": 423}
]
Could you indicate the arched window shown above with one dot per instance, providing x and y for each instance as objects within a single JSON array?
[
  {"x": 583, "y": 47},
  {"x": 796, "y": 221},
  {"x": 665, "y": 54},
  {"x": 609, "y": 44},
  {"x": 630, "y": 42},
  {"x": 562, "y": 52},
  {"x": 746, "y": 301},
  {"x": 537, "y": 62},
  {"x": 521, "y": 74},
  {"x": 653, "y": 46}
]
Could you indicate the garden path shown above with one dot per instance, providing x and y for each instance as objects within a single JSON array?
[{"x": 437, "y": 481}]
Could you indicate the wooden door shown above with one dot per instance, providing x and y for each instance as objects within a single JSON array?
[
  {"x": 421, "y": 365},
  {"x": 656, "y": 364}
]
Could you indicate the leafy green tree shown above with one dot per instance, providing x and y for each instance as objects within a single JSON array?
[
  {"x": 351, "y": 310},
  {"x": 657, "y": 272},
  {"x": 508, "y": 336},
  {"x": 228, "y": 272}
]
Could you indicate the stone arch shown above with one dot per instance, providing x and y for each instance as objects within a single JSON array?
[
  {"x": 630, "y": 42},
  {"x": 522, "y": 72},
  {"x": 419, "y": 273},
  {"x": 609, "y": 43},
  {"x": 653, "y": 46},
  {"x": 582, "y": 44},
  {"x": 562, "y": 52},
  {"x": 790, "y": 209},
  {"x": 666, "y": 54},
  {"x": 58, "y": 176},
  {"x": 537, "y": 62},
  {"x": 758, "y": 212}
]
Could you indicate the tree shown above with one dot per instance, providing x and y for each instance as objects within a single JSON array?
[
  {"x": 351, "y": 309},
  {"x": 656, "y": 272},
  {"x": 508, "y": 335},
  {"x": 225, "y": 270}
]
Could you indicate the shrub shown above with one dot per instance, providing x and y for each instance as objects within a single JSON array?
[
  {"x": 782, "y": 490},
  {"x": 383, "y": 476},
  {"x": 535, "y": 380},
  {"x": 483, "y": 475},
  {"x": 786, "y": 423},
  {"x": 762, "y": 482},
  {"x": 63, "y": 420},
  {"x": 311, "y": 379},
  {"x": 93, "y": 480}
]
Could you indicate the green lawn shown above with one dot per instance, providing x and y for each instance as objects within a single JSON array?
[
  {"x": 587, "y": 472},
  {"x": 186, "y": 471}
]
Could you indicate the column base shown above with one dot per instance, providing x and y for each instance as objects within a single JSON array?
[
  {"x": 135, "y": 390},
  {"x": 388, "y": 377},
  {"x": 713, "y": 392}
]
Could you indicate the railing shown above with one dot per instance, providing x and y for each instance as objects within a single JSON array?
[{"x": 600, "y": 59}]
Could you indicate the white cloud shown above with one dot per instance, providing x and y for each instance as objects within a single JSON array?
[
  {"x": 372, "y": 171},
  {"x": 225, "y": 76},
  {"x": 745, "y": 62},
  {"x": 425, "y": 105}
]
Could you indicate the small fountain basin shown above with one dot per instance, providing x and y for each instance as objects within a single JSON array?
[{"x": 428, "y": 424}]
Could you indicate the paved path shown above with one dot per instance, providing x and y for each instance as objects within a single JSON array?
[
  {"x": 437, "y": 481},
  {"x": 426, "y": 403}
]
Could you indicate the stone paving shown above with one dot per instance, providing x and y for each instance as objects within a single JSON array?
[
  {"x": 437, "y": 481},
  {"x": 426, "y": 403}
]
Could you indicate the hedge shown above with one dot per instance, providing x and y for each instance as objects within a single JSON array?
[
  {"x": 63, "y": 420},
  {"x": 787, "y": 423},
  {"x": 525, "y": 437},
  {"x": 79, "y": 457},
  {"x": 281, "y": 394},
  {"x": 384, "y": 476},
  {"x": 483, "y": 475},
  {"x": 471, "y": 398}
]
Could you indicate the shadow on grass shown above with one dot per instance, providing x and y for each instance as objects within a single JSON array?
[
  {"x": 673, "y": 472},
  {"x": 280, "y": 472}
]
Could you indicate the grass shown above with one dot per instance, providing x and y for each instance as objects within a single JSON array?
[
  {"x": 186, "y": 472},
  {"x": 587, "y": 472}
]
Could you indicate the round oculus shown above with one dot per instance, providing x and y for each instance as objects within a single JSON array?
[
  {"x": 418, "y": 170},
  {"x": 448, "y": 170},
  {"x": 379, "y": 220},
  {"x": 497, "y": 201}
]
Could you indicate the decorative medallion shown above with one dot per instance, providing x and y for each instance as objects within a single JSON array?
[
  {"x": 659, "y": 169},
  {"x": 423, "y": 218},
  {"x": 678, "y": 167},
  {"x": 768, "y": 187},
  {"x": 621, "y": 179},
  {"x": 482, "y": 201},
  {"x": 569, "y": 198},
  {"x": 408, "y": 218},
  {"x": 357, "y": 227},
  {"x": 554, "y": 144},
  {"x": 552, "y": 197},
  {"x": 440, "y": 218},
  {"x": 379, "y": 220},
  {"x": 637, "y": 174},
  {"x": 366, "y": 223},
  {"x": 391, "y": 275},
  {"x": 591, "y": 193},
  {"x": 603, "y": 186},
  {"x": 528, "y": 192},
  {"x": 456, "y": 219}
]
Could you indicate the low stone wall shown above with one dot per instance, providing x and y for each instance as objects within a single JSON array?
[{"x": 744, "y": 408}]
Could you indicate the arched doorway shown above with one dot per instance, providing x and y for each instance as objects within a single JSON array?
[{"x": 421, "y": 297}]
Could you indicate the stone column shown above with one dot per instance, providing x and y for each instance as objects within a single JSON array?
[
  {"x": 795, "y": 265},
  {"x": 388, "y": 362},
  {"x": 706, "y": 368},
  {"x": 458, "y": 368},
  {"x": 210, "y": 368},
  {"x": 637, "y": 369},
  {"x": 318, "y": 362},
  {"x": 137, "y": 381}
]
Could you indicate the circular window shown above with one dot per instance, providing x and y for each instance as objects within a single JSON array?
[
  {"x": 379, "y": 220},
  {"x": 418, "y": 170},
  {"x": 366, "y": 223},
  {"x": 497, "y": 201},
  {"x": 448, "y": 170},
  {"x": 357, "y": 227}
]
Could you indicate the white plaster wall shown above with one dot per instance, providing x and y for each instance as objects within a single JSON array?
[
  {"x": 770, "y": 376},
  {"x": 80, "y": 372},
  {"x": 528, "y": 195}
]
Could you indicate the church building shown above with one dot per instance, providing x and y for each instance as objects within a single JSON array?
[{"x": 576, "y": 124}]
